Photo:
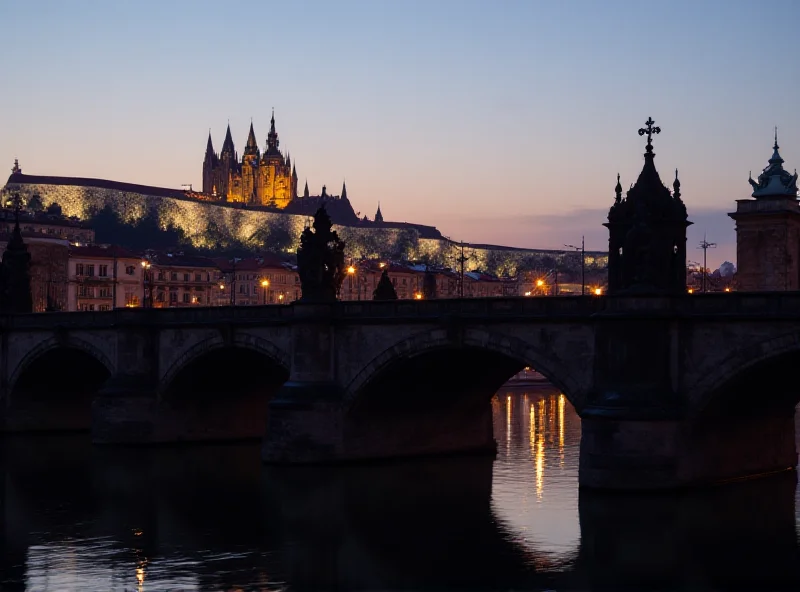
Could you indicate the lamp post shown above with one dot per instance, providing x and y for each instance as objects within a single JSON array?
[
  {"x": 351, "y": 271},
  {"x": 265, "y": 285},
  {"x": 582, "y": 249},
  {"x": 146, "y": 284}
]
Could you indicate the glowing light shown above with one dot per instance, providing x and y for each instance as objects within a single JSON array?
[
  {"x": 540, "y": 451},
  {"x": 527, "y": 293},
  {"x": 598, "y": 291},
  {"x": 418, "y": 296},
  {"x": 727, "y": 289},
  {"x": 381, "y": 265},
  {"x": 264, "y": 283},
  {"x": 280, "y": 296},
  {"x": 532, "y": 430},
  {"x": 561, "y": 405},
  {"x": 351, "y": 270},
  {"x": 508, "y": 425},
  {"x": 222, "y": 286},
  {"x": 539, "y": 283},
  {"x": 691, "y": 290}
]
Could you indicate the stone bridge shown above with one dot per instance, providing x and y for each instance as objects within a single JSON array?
[{"x": 671, "y": 390}]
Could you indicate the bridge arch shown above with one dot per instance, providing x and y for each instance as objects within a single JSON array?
[
  {"x": 718, "y": 379},
  {"x": 507, "y": 346},
  {"x": 52, "y": 344},
  {"x": 242, "y": 341},
  {"x": 220, "y": 389},
  {"x": 53, "y": 386}
]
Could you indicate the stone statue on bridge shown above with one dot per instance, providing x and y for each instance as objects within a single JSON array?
[
  {"x": 320, "y": 260},
  {"x": 15, "y": 277},
  {"x": 385, "y": 289}
]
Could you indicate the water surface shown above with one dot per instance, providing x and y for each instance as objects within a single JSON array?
[{"x": 77, "y": 517}]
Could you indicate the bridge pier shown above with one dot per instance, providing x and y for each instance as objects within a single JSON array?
[{"x": 636, "y": 454}]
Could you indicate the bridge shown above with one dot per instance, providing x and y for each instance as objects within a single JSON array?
[{"x": 672, "y": 391}]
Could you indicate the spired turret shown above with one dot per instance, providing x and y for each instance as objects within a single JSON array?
[
  {"x": 647, "y": 233},
  {"x": 768, "y": 230},
  {"x": 774, "y": 181}
]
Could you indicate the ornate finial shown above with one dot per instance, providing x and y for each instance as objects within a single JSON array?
[
  {"x": 775, "y": 147},
  {"x": 676, "y": 186},
  {"x": 618, "y": 190},
  {"x": 649, "y": 130}
]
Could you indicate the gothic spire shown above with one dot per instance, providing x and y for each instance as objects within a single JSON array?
[
  {"x": 676, "y": 186},
  {"x": 288, "y": 159},
  {"x": 272, "y": 137},
  {"x": 305, "y": 191},
  {"x": 294, "y": 174},
  {"x": 252, "y": 143},
  {"x": 344, "y": 190},
  {"x": 227, "y": 145},
  {"x": 378, "y": 215},
  {"x": 209, "y": 145}
]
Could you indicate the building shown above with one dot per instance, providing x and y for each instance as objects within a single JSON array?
[
  {"x": 103, "y": 277},
  {"x": 267, "y": 179},
  {"x": 259, "y": 280},
  {"x": 768, "y": 230},
  {"x": 48, "y": 269},
  {"x": 173, "y": 280},
  {"x": 47, "y": 224},
  {"x": 647, "y": 232}
]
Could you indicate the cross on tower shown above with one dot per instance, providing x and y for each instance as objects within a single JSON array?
[{"x": 649, "y": 130}]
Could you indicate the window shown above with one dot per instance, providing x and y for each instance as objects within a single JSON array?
[
  {"x": 185, "y": 277},
  {"x": 130, "y": 270},
  {"x": 198, "y": 277},
  {"x": 103, "y": 271},
  {"x": 173, "y": 276},
  {"x": 90, "y": 270},
  {"x": 104, "y": 307},
  {"x": 86, "y": 291},
  {"x": 79, "y": 269},
  {"x": 161, "y": 276},
  {"x": 186, "y": 297},
  {"x": 160, "y": 296},
  {"x": 173, "y": 297},
  {"x": 86, "y": 307},
  {"x": 105, "y": 292}
]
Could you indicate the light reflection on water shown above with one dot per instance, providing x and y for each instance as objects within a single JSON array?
[{"x": 213, "y": 518}]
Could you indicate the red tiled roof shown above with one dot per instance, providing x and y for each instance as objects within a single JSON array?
[{"x": 99, "y": 251}]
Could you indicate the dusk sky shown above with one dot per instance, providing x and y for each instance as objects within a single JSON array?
[{"x": 503, "y": 122}]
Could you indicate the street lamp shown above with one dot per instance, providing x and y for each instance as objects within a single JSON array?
[
  {"x": 265, "y": 285},
  {"x": 598, "y": 291},
  {"x": 146, "y": 287},
  {"x": 582, "y": 249}
]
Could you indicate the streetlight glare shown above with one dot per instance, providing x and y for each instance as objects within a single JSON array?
[
  {"x": 598, "y": 291},
  {"x": 351, "y": 269},
  {"x": 265, "y": 283},
  {"x": 540, "y": 283}
]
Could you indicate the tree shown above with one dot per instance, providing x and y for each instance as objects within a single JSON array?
[
  {"x": 320, "y": 260},
  {"x": 35, "y": 203},
  {"x": 15, "y": 276},
  {"x": 54, "y": 209},
  {"x": 385, "y": 289}
]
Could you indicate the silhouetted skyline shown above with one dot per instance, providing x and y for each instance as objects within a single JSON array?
[{"x": 493, "y": 121}]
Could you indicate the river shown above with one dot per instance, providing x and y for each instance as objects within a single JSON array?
[{"x": 77, "y": 517}]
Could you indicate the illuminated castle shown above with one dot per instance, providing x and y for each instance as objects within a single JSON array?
[{"x": 267, "y": 179}]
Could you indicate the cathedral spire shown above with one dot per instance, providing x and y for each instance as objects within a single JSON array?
[
  {"x": 252, "y": 143},
  {"x": 209, "y": 145},
  {"x": 305, "y": 191},
  {"x": 344, "y": 190},
  {"x": 227, "y": 145},
  {"x": 378, "y": 215},
  {"x": 288, "y": 159},
  {"x": 272, "y": 137}
]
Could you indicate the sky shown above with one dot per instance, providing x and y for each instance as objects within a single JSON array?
[{"x": 498, "y": 121}]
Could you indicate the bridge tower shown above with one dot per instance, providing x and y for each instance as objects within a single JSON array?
[
  {"x": 647, "y": 233},
  {"x": 768, "y": 230}
]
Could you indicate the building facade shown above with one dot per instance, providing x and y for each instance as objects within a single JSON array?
[
  {"x": 48, "y": 270},
  {"x": 102, "y": 278},
  {"x": 175, "y": 281},
  {"x": 768, "y": 231},
  {"x": 267, "y": 179}
]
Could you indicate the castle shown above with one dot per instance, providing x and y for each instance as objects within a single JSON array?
[{"x": 267, "y": 179}]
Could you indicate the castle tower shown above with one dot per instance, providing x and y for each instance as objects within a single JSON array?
[
  {"x": 227, "y": 166},
  {"x": 250, "y": 163},
  {"x": 277, "y": 187},
  {"x": 768, "y": 230},
  {"x": 647, "y": 233},
  {"x": 378, "y": 215},
  {"x": 210, "y": 163}
]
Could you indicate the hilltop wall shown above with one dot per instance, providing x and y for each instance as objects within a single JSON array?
[{"x": 208, "y": 225}]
